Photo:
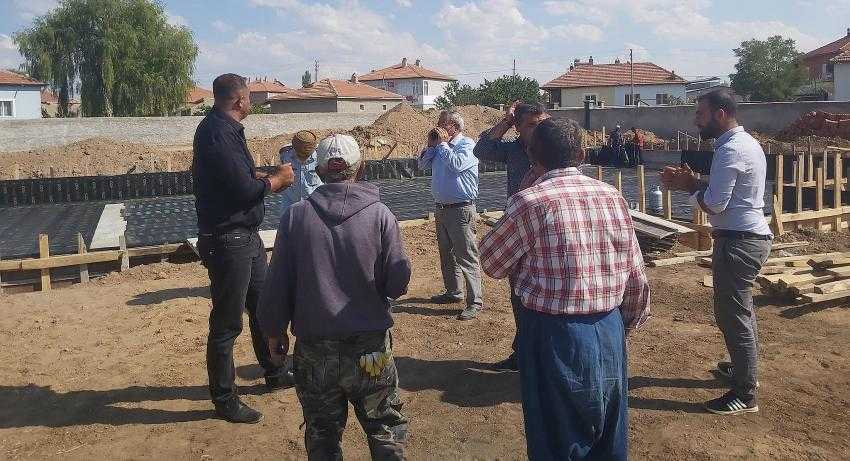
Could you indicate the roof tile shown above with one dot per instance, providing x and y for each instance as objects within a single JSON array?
[
  {"x": 402, "y": 71},
  {"x": 337, "y": 89},
  {"x": 264, "y": 86},
  {"x": 14, "y": 78},
  {"x": 617, "y": 74}
]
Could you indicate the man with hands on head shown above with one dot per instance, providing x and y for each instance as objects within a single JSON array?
[
  {"x": 229, "y": 193},
  {"x": 524, "y": 118},
  {"x": 733, "y": 198}
]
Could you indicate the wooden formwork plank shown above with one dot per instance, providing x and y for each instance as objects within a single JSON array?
[
  {"x": 44, "y": 252},
  {"x": 836, "y": 190},
  {"x": 84, "y": 268},
  {"x": 69, "y": 260},
  {"x": 800, "y": 178},
  {"x": 125, "y": 257},
  {"x": 832, "y": 287},
  {"x": 641, "y": 189},
  {"x": 671, "y": 261},
  {"x": 817, "y": 298}
]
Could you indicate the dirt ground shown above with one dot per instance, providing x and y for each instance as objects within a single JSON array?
[{"x": 115, "y": 370}]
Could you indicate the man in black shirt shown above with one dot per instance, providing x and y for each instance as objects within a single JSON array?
[{"x": 229, "y": 194}]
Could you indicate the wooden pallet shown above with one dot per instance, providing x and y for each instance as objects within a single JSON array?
[{"x": 823, "y": 277}]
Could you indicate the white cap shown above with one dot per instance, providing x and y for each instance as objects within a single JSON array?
[{"x": 337, "y": 146}]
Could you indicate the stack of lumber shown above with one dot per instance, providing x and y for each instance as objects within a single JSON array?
[
  {"x": 807, "y": 278},
  {"x": 654, "y": 234},
  {"x": 703, "y": 257}
]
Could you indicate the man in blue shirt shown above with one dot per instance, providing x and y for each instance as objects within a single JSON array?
[
  {"x": 524, "y": 118},
  {"x": 302, "y": 156},
  {"x": 454, "y": 184}
]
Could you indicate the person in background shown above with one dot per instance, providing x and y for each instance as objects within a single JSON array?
[
  {"x": 636, "y": 151},
  {"x": 229, "y": 193},
  {"x": 733, "y": 198},
  {"x": 338, "y": 259},
  {"x": 454, "y": 185},
  {"x": 524, "y": 118},
  {"x": 569, "y": 242},
  {"x": 615, "y": 142},
  {"x": 302, "y": 156}
]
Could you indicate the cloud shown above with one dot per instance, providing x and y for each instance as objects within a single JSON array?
[
  {"x": 404, "y": 3},
  {"x": 221, "y": 26},
  {"x": 9, "y": 56},
  {"x": 595, "y": 11},
  {"x": 29, "y": 9},
  {"x": 176, "y": 20}
]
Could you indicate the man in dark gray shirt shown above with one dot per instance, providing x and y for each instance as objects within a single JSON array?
[{"x": 524, "y": 118}]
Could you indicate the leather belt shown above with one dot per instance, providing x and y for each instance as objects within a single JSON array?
[
  {"x": 739, "y": 235},
  {"x": 441, "y": 206}
]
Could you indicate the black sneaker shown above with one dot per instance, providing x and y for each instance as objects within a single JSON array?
[
  {"x": 731, "y": 404},
  {"x": 469, "y": 313},
  {"x": 446, "y": 298},
  {"x": 235, "y": 411},
  {"x": 726, "y": 370},
  {"x": 509, "y": 364},
  {"x": 283, "y": 380}
]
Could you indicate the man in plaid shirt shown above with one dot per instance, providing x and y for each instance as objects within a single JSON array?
[{"x": 570, "y": 244}]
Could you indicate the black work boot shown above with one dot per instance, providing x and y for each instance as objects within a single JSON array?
[
  {"x": 282, "y": 380},
  {"x": 235, "y": 411}
]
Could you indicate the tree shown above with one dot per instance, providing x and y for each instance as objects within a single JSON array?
[
  {"x": 507, "y": 89},
  {"x": 769, "y": 70},
  {"x": 306, "y": 79},
  {"x": 122, "y": 57},
  {"x": 504, "y": 90}
]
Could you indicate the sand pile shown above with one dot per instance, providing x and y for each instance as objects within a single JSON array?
[{"x": 398, "y": 133}]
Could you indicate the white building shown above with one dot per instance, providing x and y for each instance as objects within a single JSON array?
[
  {"x": 20, "y": 96},
  {"x": 841, "y": 74},
  {"x": 420, "y": 86},
  {"x": 611, "y": 85}
]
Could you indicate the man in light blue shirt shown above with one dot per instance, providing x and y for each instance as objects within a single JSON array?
[
  {"x": 302, "y": 156},
  {"x": 733, "y": 198},
  {"x": 454, "y": 185}
]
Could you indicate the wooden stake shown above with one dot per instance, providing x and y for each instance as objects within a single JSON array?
[
  {"x": 811, "y": 160},
  {"x": 776, "y": 221},
  {"x": 17, "y": 173},
  {"x": 641, "y": 189},
  {"x": 168, "y": 163},
  {"x": 801, "y": 175},
  {"x": 836, "y": 189},
  {"x": 1, "y": 277},
  {"x": 696, "y": 212},
  {"x": 125, "y": 256},
  {"x": 819, "y": 194},
  {"x": 668, "y": 205},
  {"x": 81, "y": 249},
  {"x": 618, "y": 181},
  {"x": 780, "y": 176},
  {"x": 599, "y": 173},
  {"x": 44, "y": 252}
]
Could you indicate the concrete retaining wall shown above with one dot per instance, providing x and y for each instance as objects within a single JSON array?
[
  {"x": 769, "y": 118},
  {"x": 18, "y": 135}
]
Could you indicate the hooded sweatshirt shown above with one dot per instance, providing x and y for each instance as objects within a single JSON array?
[{"x": 337, "y": 259}]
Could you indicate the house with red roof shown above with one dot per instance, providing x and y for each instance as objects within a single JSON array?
[
  {"x": 20, "y": 96},
  {"x": 828, "y": 67},
  {"x": 612, "y": 85},
  {"x": 262, "y": 89},
  {"x": 420, "y": 86},
  {"x": 328, "y": 95}
]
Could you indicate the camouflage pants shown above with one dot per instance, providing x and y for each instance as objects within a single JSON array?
[{"x": 328, "y": 376}]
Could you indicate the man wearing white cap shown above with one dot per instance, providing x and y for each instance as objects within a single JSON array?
[{"x": 337, "y": 261}]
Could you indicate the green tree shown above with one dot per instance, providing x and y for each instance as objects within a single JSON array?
[
  {"x": 306, "y": 79},
  {"x": 769, "y": 70},
  {"x": 457, "y": 95},
  {"x": 507, "y": 89},
  {"x": 122, "y": 57}
]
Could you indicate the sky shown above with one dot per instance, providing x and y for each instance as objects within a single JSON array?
[{"x": 470, "y": 39}]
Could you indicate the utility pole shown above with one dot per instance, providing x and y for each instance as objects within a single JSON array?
[
  {"x": 514, "y": 67},
  {"x": 316, "y": 71},
  {"x": 632, "y": 72}
]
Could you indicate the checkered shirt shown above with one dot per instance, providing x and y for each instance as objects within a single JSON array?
[{"x": 569, "y": 243}]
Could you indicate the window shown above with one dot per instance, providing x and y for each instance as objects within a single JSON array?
[
  {"x": 391, "y": 84},
  {"x": 425, "y": 91},
  {"x": 383, "y": 107},
  {"x": 629, "y": 102},
  {"x": 829, "y": 71},
  {"x": 662, "y": 99},
  {"x": 7, "y": 108},
  {"x": 362, "y": 106},
  {"x": 592, "y": 97}
]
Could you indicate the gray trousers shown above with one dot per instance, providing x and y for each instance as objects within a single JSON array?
[
  {"x": 735, "y": 265},
  {"x": 459, "y": 251}
]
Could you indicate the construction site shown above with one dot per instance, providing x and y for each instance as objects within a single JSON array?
[{"x": 105, "y": 351}]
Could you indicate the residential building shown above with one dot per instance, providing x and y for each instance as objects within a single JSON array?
[
  {"x": 420, "y": 86},
  {"x": 841, "y": 72},
  {"x": 20, "y": 96},
  {"x": 50, "y": 104},
  {"x": 327, "y": 95},
  {"x": 611, "y": 84},
  {"x": 196, "y": 99},
  {"x": 262, "y": 90},
  {"x": 818, "y": 61}
]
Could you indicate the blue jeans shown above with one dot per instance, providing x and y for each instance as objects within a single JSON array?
[{"x": 574, "y": 385}]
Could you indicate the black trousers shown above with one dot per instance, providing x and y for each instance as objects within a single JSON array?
[{"x": 237, "y": 265}]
